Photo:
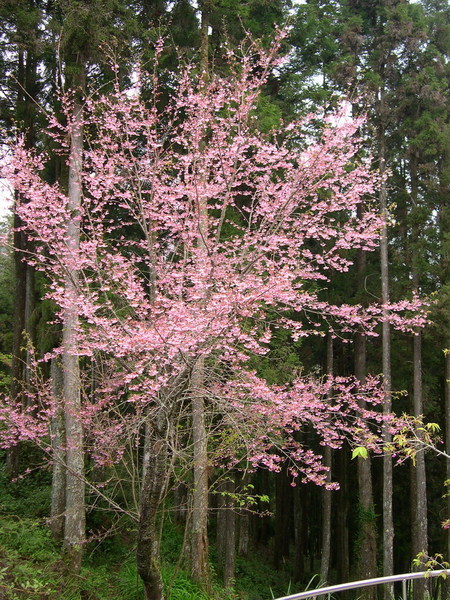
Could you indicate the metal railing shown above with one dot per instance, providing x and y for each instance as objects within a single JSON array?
[{"x": 342, "y": 587}]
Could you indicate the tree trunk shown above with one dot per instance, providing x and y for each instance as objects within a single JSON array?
[
  {"x": 18, "y": 354},
  {"x": 180, "y": 501},
  {"x": 205, "y": 9},
  {"x": 261, "y": 528},
  {"x": 25, "y": 115},
  {"x": 444, "y": 226},
  {"x": 199, "y": 542},
  {"x": 388, "y": 525},
  {"x": 58, "y": 497},
  {"x": 419, "y": 516},
  {"x": 152, "y": 494},
  {"x": 283, "y": 517},
  {"x": 244, "y": 525},
  {"x": 367, "y": 535},
  {"x": 326, "y": 494},
  {"x": 342, "y": 529},
  {"x": 230, "y": 539},
  {"x": 226, "y": 530},
  {"x": 199, "y": 537},
  {"x": 300, "y": 531},
  {"x": 447, "y": 446},
  {"x": 221, "y": 523},
  {"x": 29, "y": 325},
  {"x": 74, "y": 530}
]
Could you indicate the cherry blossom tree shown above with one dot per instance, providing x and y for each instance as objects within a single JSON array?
[{"x": 198, "y": 237}]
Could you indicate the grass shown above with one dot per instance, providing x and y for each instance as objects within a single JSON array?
[{"x": 33, "y": 567}]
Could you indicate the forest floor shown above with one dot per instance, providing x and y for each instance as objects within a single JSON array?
[{"x": 32, "y": 565}]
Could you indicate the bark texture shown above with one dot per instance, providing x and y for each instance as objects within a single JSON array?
[
  {"x": 18, "y": 353},
  {"x": 230, "y": 538},
  {"x": 283, "y": 517},
  {"x": 342, "y": 525},
  {"x": 327, "y": 494},
  {"x": 300, "y": 531},
  {"x": 74, "y": 529},
  {"x": 447, "y": 445},
  {"x": 199, "y": 541},
  {"x": 388, "y": 524},
  {"x": 226, "y": 530},
  {"x": 367, "y": 534},
  {"x": 152, "y": 493},
  {"x": 23, "y": 273},
  {"x": 419, "y": 495},
  {"x": 58, "y": 498},
  {"x": 199, "y": 532},
  {"x": 244, "y": 524}
]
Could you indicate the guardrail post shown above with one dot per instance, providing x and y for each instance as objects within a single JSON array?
[{"x": 404, "y": 589}]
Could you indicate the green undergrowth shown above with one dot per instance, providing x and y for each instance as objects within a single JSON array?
[{"x": 33, "y": 567}]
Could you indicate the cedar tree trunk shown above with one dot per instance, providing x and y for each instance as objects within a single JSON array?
[
  {"x": 388, "y": 524},
  {"x": 326, "y": 494},
  {"x": 58, "y": 495},
  {"x": 367, "y": 535},
  {"x": 74, "y": 530},
  {"x": 419, "y": 516}
]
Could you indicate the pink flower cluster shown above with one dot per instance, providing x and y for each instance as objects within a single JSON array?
[{"x": 199, "y": 235}]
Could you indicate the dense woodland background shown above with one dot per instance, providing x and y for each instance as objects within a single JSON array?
[{"x": 389, "y": 59}]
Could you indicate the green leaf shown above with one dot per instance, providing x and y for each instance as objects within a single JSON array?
[
  {"x": 433, "y": 427},
  {"x": 360, "y": 451}
]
